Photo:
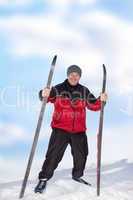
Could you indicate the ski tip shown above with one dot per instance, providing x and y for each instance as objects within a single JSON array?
[
  {"x": 104, "y": 68},
  {"x": 54, "y": 60},
  {"x": 104, "y": 65}
]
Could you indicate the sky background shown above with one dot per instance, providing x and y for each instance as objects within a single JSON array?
[{"x": 83, "y": 32}]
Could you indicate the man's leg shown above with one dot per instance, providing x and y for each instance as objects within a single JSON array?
[
  {"x": 79, "y": 150},
  {"x": 56, "y": 148}
]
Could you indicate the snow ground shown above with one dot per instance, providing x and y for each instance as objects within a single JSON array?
[{"x": 116, "y": 184}]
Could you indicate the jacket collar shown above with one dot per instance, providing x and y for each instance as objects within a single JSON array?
[{"x": 69, "y": 85}]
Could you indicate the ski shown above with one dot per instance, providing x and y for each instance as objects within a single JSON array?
[
  {"x": 37, "y": 131},
  {"x": 99, "y": 136},
  {"x": 80, "y": 180}
]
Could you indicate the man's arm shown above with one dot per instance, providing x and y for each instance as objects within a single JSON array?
[
  {"x": 49, "y": 93},
  {"x": 93, "y": 103}
]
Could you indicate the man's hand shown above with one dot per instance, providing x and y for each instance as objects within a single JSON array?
[
  {"x": 46, "y": 92},
  {"x": 103, "y": 96}
]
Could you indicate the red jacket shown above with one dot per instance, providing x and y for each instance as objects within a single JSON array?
[{"x": 70, "y": 103}]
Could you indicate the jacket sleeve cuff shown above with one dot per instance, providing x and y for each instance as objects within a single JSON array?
[{"x": 40, "y": 95}]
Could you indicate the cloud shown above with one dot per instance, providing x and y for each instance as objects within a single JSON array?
[
  {"x": 117, "y": 145},
  {"x": 65, "y": 3},
  {"x": 113, "y": 36},
  {"x": 13, "y": 168},
  {"x": 41, "y": 35},
  {"x": 64, "y": 8},
  {"x": 14, "y": 2},
  {"x": 89, "y": 40},
  {"x": 11, "y": 134}
]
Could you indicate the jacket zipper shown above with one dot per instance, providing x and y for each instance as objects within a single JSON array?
[{"x": 73, "y": 119}]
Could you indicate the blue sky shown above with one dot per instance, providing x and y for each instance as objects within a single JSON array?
[{"x": 87, "y": 33}]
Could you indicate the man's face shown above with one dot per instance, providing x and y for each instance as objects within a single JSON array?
[{"x": 73, "y": 78}]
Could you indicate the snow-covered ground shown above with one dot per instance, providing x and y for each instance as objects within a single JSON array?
[{"x": 116, "y": 184}]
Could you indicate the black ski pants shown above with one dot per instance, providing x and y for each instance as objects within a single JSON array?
[{"x": 58, "y": 143}]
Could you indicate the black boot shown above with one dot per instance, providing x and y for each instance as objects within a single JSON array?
[
  {"x": 80, "y": 180},
  {"x": 40, "y": 186}
]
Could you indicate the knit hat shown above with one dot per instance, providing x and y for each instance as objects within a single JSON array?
[{"x": 74, "y": 68}]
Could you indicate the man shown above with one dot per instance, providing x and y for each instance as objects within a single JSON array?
[{"x": 70, "y": 100}]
